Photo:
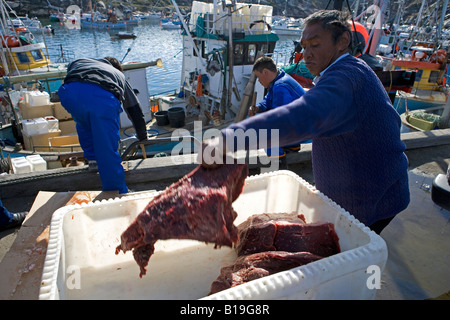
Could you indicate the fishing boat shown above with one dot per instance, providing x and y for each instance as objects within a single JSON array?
[
  {"x": 221, "y": 42},
  {"x": 20, "y": 52},
  {"x": 124, "y": 35},
  {"x": 432, "y": 118},
  {"x": 420, "y": 48},
  {"x": 113, "y": 19},
  {"x": 32, "y": 24},
  {"x": 287, "y": 27},
  {"x": 105, "y": 24},
  {"x": 170, "y": 25},
  {"x": 430, "y": 89},
  {"x": 220, "y": 45},
  {"x": 32, "y": 122}
]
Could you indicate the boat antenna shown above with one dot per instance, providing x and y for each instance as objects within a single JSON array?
[{"x": 128, "y": 51}]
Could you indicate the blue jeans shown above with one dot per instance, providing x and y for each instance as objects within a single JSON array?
[
  {"x": 5, "y": 215},
  {"x": 96, "y": 113}
]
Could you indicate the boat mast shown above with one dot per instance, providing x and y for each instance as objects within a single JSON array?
[
  {"x": 376, "y": 29},
  {"x": 441, "y": 22},
  {"x": 230, "y": 51},
  {"x": 188, "y": 33}
]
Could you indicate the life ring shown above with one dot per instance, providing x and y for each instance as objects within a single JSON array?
[
  {"x": 10, "y": 41},
  {"x": 439, "y": 56},
  {"x": 361, "y": 34},
  {"x": 18, "y": 29}
]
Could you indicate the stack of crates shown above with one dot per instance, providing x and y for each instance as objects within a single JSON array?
[{"x": 43, "y": 121}]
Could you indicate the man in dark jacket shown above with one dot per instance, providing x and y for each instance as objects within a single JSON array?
[
  {"x": 94, "y": 92},
  {"x": 358, "y": 157}
]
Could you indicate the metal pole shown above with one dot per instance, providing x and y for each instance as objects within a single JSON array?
[{"x": 230, "y": 55}]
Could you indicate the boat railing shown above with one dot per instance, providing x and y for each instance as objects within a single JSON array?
[
  {"x": 135, "y": 145},
  {"x": 60, "y": 149},
  {"x": 61, "y": 56}
]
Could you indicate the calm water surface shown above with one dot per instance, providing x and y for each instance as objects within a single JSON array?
[{"x": 152, "y": 42}]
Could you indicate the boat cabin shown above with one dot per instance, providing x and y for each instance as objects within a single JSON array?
[{"x": 211, "y": 83}]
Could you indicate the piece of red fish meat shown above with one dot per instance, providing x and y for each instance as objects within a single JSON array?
[
  {"x": 286, "y": 232},
  {"x": 196, "y": 207},
  {"x": 257, "y": 265}
]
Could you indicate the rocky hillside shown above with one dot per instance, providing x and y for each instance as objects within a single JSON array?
[{"x": 294, "y": 8}]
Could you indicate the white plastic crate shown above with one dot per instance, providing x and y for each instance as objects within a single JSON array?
[
  {"x": 52, "y": 124},
  {"x": 35, "y": 126},
  {"x": 36, "y": 98},
  {"x": 81, "y": 261},
  {"x": 37, "y": 162},
  {"x": 21, "y": 165}
]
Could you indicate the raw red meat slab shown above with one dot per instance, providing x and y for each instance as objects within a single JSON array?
[
  {"x": 197, "y": 207},
  {"x": 258, "y": 265},
  {"x": 286, "y": 232}
]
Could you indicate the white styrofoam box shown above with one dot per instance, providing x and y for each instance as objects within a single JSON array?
[
  {"x": 52, "y": 123},
  {"x": 21, "y": 165},
  {"x": 36, "y": 98},
  {"x": 35, "y": 126},
  {"x": 83, "y": 239},
  {"x": 165, "y": 103},
  {"x": 37, "y": 162}
]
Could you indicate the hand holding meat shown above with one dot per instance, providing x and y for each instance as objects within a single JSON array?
[
  {"x": 212, "y": 154},
  {"x": 197, "y": 207}
]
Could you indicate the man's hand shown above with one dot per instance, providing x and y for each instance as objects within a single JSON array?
[
  {"x": 212, "y": 153},
  {"x": 142, "y": 136},
  {"x": 252, "y": 111}
]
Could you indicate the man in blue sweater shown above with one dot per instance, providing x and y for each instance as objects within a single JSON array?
[
  {"x": 358, "y": 157},
  {"x": 281, "y": 90}
]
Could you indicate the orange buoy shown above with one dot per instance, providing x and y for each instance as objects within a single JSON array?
[
  {"x": 10, "y": 41},
  {"x": 361, "y": 32}
]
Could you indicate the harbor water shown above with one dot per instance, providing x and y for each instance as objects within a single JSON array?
[{"x": 152, "y": 42}]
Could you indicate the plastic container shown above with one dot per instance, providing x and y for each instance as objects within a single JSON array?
[
  {"x": 37, "y": 162},
  {"x": 421, "y": 123},
  {"x": 176, "y": 117},
  {"x": 21, "y": 165},
  {"x": 35, "y": 126},
  {"x": 162, "y": 118},
  {"x": 83, "y": 239},
  {"x": 52, "y": 124},
  {"x": 36, "y": 98}
]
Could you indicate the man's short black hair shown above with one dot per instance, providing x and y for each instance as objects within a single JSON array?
[
  {"x": 115, "y": 63},
  {"x": 265, "y": 62}
]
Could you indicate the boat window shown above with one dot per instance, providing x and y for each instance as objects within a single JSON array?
[
  {"x": 251, "y": 55},
  {"x": 245, "y": 53},
  {"x": 23, "y": 57},
  {"x": 201, "y": 48},
  {"x": 37, "y": 55},
  {"x": 434, "y": 76},
  {"x": 239, "y": 54},
  {"x": 264, "y": 48}
]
